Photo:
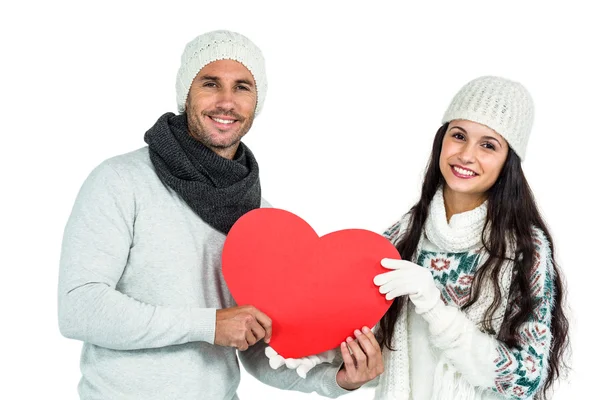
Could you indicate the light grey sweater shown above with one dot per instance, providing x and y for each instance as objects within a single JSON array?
[{"x": 140, "y": 282}]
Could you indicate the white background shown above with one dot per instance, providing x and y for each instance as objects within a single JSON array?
[{"x": 356, "y": 93}]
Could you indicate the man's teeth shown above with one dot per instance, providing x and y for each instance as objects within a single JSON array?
[
  {"x": 223, "y": 121},
  {"x": 464, "y": 171}
]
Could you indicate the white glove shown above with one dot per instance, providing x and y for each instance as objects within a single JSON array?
[
  {"x": 410, "y": 279},
  {"x": 301, "y": 365}
]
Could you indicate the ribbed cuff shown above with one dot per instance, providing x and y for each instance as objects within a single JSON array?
[
  {"x": 440, "y": 317},
  {"x": 203, "y": 324},
  {"x": 330, "y": 384}
]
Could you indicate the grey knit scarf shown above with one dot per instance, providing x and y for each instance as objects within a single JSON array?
[{"x": 219, "y": 190}]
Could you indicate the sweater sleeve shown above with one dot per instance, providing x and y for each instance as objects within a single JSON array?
[
  {"x": 95, "y": 249},
  {"x": 320, "y": 379},
  {"x": 513, "y": 372},
  {"x": 396, "y": 230}
]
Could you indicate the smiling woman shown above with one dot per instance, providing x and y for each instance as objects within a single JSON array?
[
  {"x": 471, "y": 160},
  {"x": 485, "y": 314}
]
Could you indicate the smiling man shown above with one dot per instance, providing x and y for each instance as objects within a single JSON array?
[
  {"x": 221, "y": 106},
  {"x": 140, "y": 272}
]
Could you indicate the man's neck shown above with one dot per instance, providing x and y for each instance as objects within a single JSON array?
[{"x": 228, "y": 152}]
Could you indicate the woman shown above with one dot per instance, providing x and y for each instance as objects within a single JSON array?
[{"x": 484, "y": 317}]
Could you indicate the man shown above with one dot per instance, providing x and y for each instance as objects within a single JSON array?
[{"x": 140, "y": 274}]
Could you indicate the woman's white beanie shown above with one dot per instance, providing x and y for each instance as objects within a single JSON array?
[{"x": 503, "y": 105}]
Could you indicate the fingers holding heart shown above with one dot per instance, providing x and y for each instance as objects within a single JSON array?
[{"x": 363, "y": 360}]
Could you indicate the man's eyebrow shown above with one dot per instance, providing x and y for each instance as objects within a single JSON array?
[
  {"x": 246, "y": 82},
  {"x": 209, "y": 78}
]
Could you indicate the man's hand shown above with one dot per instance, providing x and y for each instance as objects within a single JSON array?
[
  {"x": 241, "y": 327},
  {"x": 363, "y": 360}
]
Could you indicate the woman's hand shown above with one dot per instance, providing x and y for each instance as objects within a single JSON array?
[
  {"x": 410, "y": 279},
  {"x": 301, "y": 365}
]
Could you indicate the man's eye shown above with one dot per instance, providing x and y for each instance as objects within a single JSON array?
[{"x": 209, "y": 84}]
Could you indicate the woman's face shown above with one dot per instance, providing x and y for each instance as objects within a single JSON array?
[{"x": 472, "y": 157}]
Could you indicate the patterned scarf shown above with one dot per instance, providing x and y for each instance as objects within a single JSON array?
[{"x": 462, "y": 234}]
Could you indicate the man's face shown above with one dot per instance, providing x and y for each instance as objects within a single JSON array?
[{"x": 220, "y": 106}]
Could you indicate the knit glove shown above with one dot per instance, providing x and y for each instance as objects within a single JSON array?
[
  {"x": 301, "y": 365},
  {"x": 410, "y": 279}
]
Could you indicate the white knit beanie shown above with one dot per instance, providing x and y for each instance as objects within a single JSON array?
[
  {"x": 220, "y": 45},
  {"x": 500, "y": 104}
]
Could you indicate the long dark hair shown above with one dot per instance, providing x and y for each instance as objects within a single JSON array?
[{"x": 511, "y": 210}]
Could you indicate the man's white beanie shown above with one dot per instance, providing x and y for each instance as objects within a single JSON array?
[
  {"x": 500, "y": 104},
  {"x": 220, "y": 45}
]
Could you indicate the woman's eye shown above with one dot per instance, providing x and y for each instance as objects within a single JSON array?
[
  {"x": 489, "y": 146},
  {"x": 458, "y": 136}
]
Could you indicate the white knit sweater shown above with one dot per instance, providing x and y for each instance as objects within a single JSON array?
[{"x": 443, "y": 354}]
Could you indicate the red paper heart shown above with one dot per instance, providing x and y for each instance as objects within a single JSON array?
[{"x": 315, "y": 290}]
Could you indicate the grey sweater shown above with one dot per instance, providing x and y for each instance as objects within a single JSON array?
[{"x": 140, "y": 282}]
